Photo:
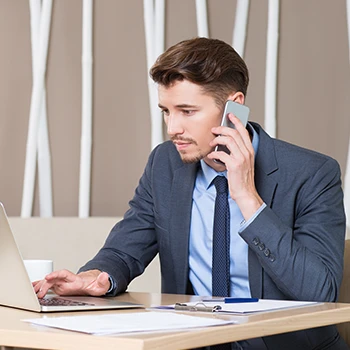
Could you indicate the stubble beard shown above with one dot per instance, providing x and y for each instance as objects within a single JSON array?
[{"x": 190, "y": 159}]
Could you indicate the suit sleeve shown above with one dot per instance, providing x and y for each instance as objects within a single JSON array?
[{"x": 304, "y": 258}]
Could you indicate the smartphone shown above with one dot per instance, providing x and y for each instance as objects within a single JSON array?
[{"x": 237, "y": 109}]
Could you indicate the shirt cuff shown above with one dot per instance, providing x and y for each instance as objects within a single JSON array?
[
  {"x": 113, "y": 286},
  {"x": 245, "y": 224}
]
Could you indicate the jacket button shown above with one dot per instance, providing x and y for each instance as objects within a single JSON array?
[
  {"x": 261, "y": 246},
  {"x": 272, "y": 258},
  {"x": 267, "y": 252},
  {"x": 256, "y": 241}
]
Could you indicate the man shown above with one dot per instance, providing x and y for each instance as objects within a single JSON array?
[{"x": 287, "y": 222}]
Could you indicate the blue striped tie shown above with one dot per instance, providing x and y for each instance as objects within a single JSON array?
[
  {"x": 221, "y": 246},
  {"x": 221, "y": 240}
]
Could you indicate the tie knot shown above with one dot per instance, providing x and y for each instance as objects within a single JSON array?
[{"x": 221, "y": 185}]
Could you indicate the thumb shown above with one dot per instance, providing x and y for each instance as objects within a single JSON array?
[
  {"x": 102, "y": 281},
  {"x": 99, "y": 286}
]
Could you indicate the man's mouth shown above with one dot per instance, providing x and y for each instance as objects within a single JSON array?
[{"x": 181, "y": 145}]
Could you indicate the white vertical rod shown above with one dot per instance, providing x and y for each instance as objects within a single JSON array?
[
  {"x": 35, "y": 108},
  {"x": 159, "y": 28},
  {"x": 154, "y": 21},
  {"x": 202, "y": 18},
  {"x": 240, "y": 27},
  {"x": 44, "y": 157},
  {"x": 44, "y": 163},
  {"x": 148, "y": 15},
  {"x": 271, "y": 68},
  {"x": 347, "y": 171},
  {"x": 158, "y": 48},
  {"x": 86, "y": 132}
]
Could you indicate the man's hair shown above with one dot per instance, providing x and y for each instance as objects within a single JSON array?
[{"x": 210, "y": 63}]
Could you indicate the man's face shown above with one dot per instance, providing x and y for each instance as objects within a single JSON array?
[{"x": 189, "y": 115}]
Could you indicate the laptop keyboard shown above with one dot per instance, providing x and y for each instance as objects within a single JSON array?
[{"x": 61, "y": 302}]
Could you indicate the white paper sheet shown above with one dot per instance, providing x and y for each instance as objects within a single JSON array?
[
  {"x": 125, "y": 323},
  {"x": 263, "y": 305}
]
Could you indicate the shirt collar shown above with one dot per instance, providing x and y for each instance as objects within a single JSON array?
[{"x": 209, "y": 173}]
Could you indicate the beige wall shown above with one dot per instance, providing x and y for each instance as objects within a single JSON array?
[
  {"x": 313, "y": 91},
  {"x": 34, "y": 237}
]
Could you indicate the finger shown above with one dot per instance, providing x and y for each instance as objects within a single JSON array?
[
  {"x": 237, "y": 141},
  {"x": 36, "y": 282},
  {"x": 41, "y": 290},
  {"x": 63, "y": 275},
  {"x": 239, "y": 130},
  {"x": 51, "y": 281},
  {"x": 37, "y": 285},
  {"x": 230, "y": 134},
  {"x": 236, "y": 121},
  {"x": 235, "y": 145},
  {"x": 222, "y": 156},
  {"x": 103, "y": 281},
  {"x": 99, "y": 286},
  {"x": 223, "y": 140},
  {"x": 242, "y": 130}
]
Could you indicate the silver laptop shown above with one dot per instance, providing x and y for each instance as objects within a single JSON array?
[{"x": 17, "y": 290}]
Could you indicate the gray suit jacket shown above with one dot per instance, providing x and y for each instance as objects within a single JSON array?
[{"x": 296, "y": 243}]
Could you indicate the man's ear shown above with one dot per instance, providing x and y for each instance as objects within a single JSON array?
[{"x": 237, "y": 97}]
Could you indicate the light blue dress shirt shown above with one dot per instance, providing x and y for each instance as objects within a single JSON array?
[{"x": 201, "y": 235}]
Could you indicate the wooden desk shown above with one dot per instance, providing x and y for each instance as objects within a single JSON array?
[{"x": 15, "y": 333}]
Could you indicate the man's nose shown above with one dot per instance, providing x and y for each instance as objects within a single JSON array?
[{"x": 174, "y": 126}]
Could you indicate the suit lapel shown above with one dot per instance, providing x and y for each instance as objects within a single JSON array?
[
  {"x": 265, "y": 166},
  {"x": 180, "y": 217}
]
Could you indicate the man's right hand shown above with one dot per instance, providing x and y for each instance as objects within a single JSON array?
[{"x": 64, "y": 282}]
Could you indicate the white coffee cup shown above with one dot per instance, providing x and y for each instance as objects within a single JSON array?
[{"x": 38, "y": 269}]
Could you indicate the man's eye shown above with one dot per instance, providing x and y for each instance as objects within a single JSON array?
[
  {"x": 188, "y": 111},
  {"x": 165, "y": 112}
]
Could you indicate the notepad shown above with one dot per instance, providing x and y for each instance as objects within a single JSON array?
[
  {"x": 263, "y": 305},
  {"x": 149, "y": 321}
]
